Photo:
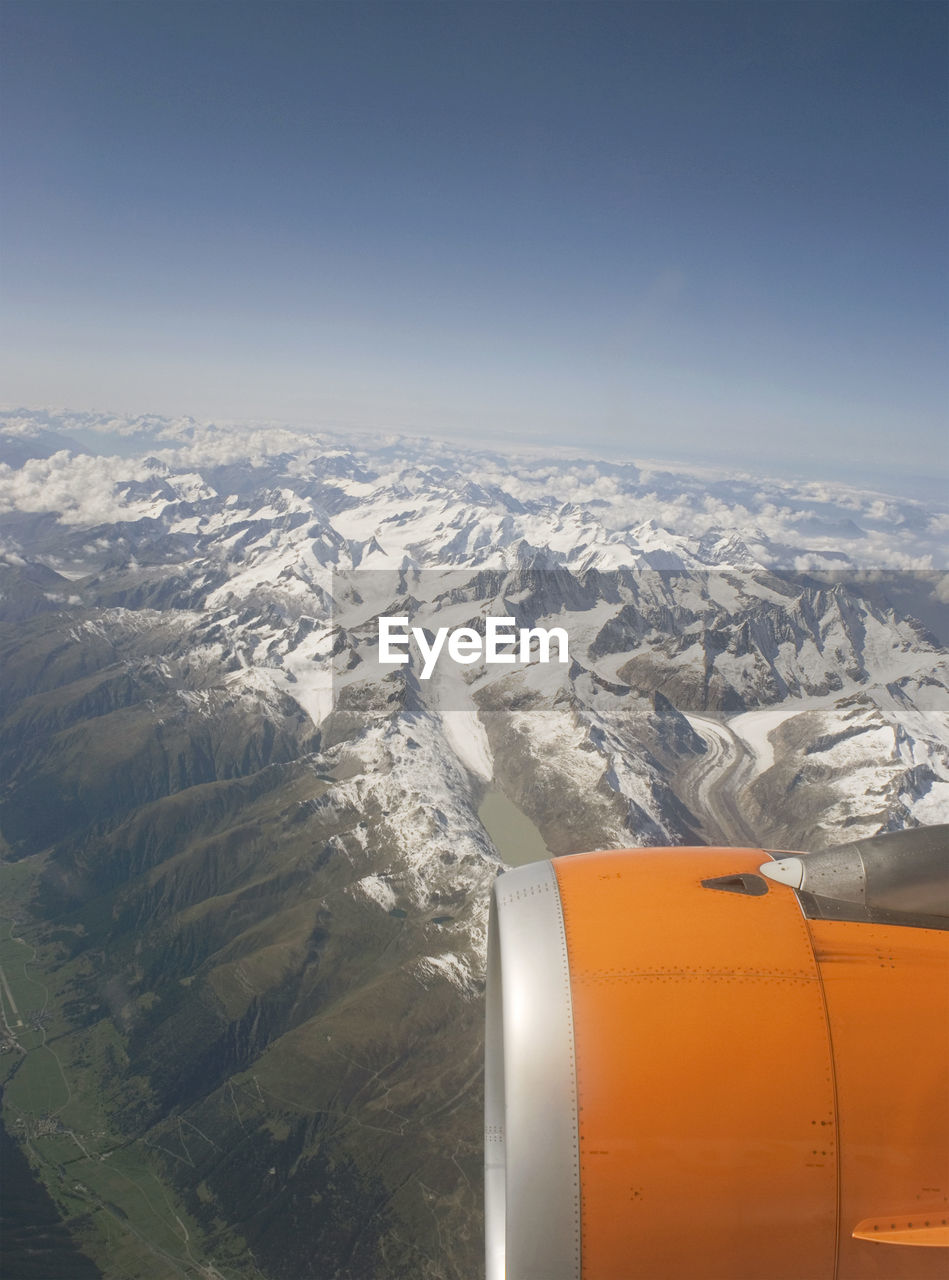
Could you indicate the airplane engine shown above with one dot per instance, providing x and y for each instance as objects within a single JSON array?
[{"x": 720, "y": 1064}]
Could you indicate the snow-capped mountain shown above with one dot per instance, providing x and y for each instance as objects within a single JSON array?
[{"x": 267, "y": 856}]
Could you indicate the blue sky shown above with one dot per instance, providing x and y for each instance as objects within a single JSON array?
[{"x": 714, "y": 230}]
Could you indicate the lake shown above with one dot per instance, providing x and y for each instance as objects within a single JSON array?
[{"x": 515, "y": 836}]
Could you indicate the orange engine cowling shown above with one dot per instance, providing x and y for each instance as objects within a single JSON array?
[{"x": 720, "y": 1063}]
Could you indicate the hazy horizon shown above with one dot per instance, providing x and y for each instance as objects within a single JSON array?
[{"x": 929, "y": 488}]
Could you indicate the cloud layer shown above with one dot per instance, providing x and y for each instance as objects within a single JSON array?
[{"x": 163, "y": 462}]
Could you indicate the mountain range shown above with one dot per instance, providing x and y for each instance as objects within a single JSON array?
[{"x": 245, "y": 867}]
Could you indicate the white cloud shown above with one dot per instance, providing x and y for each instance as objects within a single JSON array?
[
  {"x": 807, "y": 524},
  {"x": 80, "y": 488}
]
